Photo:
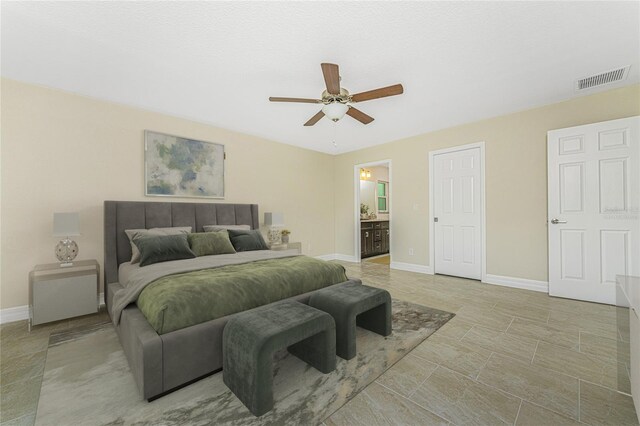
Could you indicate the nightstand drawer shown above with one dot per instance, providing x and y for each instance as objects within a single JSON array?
[
  {"x": 57, "y": 293},
  {"x": 64, "y": 298}
]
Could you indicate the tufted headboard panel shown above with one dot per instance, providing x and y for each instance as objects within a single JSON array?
[{"x": 121, "y": 215}]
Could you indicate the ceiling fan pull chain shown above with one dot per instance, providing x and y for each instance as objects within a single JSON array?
[{"x": 335, "y": 131}]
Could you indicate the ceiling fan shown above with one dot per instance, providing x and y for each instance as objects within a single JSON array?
[{"x": 337, "y": 99}]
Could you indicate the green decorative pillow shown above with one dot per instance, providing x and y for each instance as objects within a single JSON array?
[
  {"x": 208, "y": 243},
  {"x": 163, "y": 248},
  {"x": 134, "y": 234},
  {"x": 247, "y": 240}
]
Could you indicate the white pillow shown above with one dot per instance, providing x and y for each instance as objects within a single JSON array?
[
  {"x": 214, "y": 228},
  {"x": 135, "y": 234}
]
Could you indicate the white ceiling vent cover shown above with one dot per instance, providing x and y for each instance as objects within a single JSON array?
[{"x": 603, "y": 78}]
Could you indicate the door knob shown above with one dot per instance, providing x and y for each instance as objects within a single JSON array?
[{"x": 557, "y": 221}]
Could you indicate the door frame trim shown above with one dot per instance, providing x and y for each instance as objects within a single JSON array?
[
  {"x": 356, "y": 197},
  {"x": 483, "y": 216}
]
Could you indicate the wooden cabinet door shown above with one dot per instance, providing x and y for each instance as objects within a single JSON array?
[
  {"x": 363, "y": 243},
  {"x": 369, "y": 242},
  {"x": 385, "y": 241}
]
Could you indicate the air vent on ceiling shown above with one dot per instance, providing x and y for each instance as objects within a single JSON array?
[{"x": 602, "y": 78}]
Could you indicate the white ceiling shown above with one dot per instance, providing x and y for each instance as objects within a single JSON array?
[{"x": 218, "y": 62}]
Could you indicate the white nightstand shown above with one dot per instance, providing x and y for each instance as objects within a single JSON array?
[
  {"x": 57, "y": 293},
  {"x": 288, "y": 246}
]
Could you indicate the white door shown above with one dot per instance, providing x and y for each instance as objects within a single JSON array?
[
  {"x": 594, "y": 189},
  {"x": 457, "y": 213}
]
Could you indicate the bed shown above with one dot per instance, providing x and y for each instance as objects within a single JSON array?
[{"x": 162, "y": 362}]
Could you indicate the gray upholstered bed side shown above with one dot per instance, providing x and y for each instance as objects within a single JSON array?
[
  {"x": 121, "y": 215},
  {"x": 161, "y": 363}
]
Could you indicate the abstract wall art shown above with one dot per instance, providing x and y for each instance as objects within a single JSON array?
[{"x": 182, "y": 167}]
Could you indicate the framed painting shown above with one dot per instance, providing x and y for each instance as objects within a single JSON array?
[{"x": 182, "y": 167}]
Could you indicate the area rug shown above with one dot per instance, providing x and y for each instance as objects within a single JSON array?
[{"x": 87, "y": 380}]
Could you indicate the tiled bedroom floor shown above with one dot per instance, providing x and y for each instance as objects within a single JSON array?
[{"x": 508, "y": 357}]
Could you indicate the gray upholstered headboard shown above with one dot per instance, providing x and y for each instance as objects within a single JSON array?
[{"x": 121, "y": 215}]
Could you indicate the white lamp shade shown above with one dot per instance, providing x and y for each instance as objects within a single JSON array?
[
  {"x": 274, "y": 219},
  {"x": 335, "y": 110},
  {"x": 66, "y": 224}
]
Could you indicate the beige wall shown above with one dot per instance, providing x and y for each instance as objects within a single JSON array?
[
  {"x": 62, "y": 152},
  {"x": 516, "y": 181}
]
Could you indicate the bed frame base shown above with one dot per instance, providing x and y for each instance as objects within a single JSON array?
[{"x": 163, "y": 363}]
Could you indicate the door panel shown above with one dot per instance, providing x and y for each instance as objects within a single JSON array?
[
  {"x": 447, "y": 243},
  {"x": 573, "y": 256},
  {"x": 468, "y": 245},
  {"x": 571, "y": 145},
  {"x": 613, "y": 185},
  {"x": 572, "y": 187},
  {"x": 613, "y": 139},
  {"x": 447, "y": 195},
  {"x": 613, "y": 248},
  {"x": 467, "y": 194},
  {"x": 457, "y": 206},
  {"x": 594, "y": 223}
]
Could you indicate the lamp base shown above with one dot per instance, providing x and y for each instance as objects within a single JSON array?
[
  {"x": 66, "y": 264},
  {"x": 66, "y": 251},
  {"x": 274, "y": 235}
]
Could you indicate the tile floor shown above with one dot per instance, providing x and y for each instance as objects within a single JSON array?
[{"x": 508, "y": 357}]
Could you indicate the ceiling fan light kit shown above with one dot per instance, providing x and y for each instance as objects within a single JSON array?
[
  {"x": 337, "y": 100},
  {"x": 335, "y": 110}
]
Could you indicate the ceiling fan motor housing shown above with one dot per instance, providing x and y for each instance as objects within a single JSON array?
[{"x": 343, "y": 97}]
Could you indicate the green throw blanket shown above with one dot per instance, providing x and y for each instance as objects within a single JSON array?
[{"x": 182, "y": 300}]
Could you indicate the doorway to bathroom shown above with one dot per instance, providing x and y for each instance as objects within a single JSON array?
[{"x": 373, "y": 222}]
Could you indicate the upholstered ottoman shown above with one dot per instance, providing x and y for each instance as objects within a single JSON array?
[
  {"x": 354, "y": 304},
  {"x": 250, "y": 339}
]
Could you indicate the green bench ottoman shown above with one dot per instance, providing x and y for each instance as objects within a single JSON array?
[
  {"x": 250, "y": 339},
  {"x": 354, "y": 304}
]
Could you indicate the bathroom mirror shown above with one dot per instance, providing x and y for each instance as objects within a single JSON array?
[{"x": 368, "y": 194}]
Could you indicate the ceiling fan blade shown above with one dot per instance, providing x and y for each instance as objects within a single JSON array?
[
  {"x": 313, "y": 120},
  {"x": 331, "y": 78},
  {"x": 383, "y": 92},
  {"x": 301, "y": 100},
  {"x": 359, "y": 115}
]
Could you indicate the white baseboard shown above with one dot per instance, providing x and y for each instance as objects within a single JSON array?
[
  {"x": 412, "y": 267},
  {"x": 523, "y": 283},
  {"x": 18, "y": 313},
  {"x": 326, "y": 257},
  {"x": 345, "y": 258},
  {"x": 337, "y": 256}
]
